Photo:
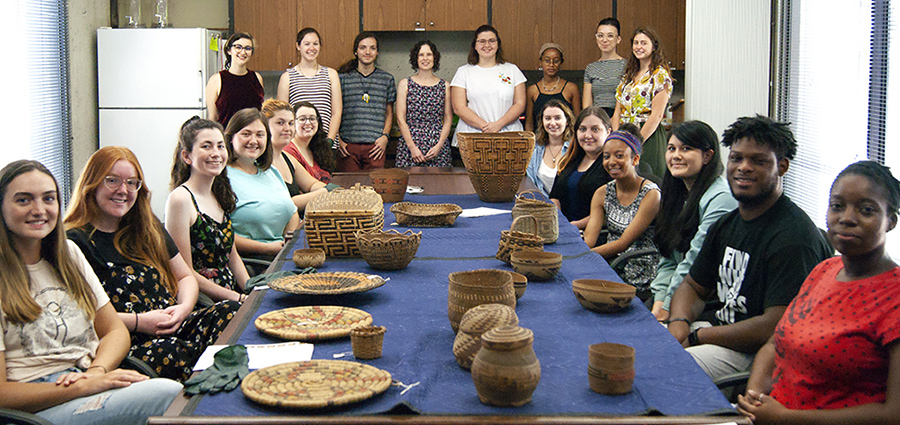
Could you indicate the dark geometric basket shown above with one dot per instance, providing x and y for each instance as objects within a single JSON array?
[
  {"x": 332, "y": 219},
  {"x": 496, "y": 162}
]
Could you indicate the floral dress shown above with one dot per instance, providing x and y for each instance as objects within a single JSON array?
[
  {"x": 637, "y": 100},
  {"x": 211, "y": 244},
  {"x": 137, "y": 288},
  {"x": 425, "y": 117},
  {"x": 638, "y": 271}
]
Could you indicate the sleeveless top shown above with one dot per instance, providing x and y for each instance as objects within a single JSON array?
[
  {"x": 293, "y": 187},
  {"x": 313, "y": 169},
  {"x": 638, "y": 271},
  {"x": 211, "y": 244},
  {"x": 544, "y": 98},
  {"x": 315, "y": 90},
  {"x": 238, "y": 92}
]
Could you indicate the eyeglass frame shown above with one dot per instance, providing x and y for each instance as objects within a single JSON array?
[
  {"x": 108, "y": 181},
  {"x": 248, "y": 49}
]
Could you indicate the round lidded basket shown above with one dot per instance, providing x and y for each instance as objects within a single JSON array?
[
  {"x": 390, "y": 250},
  {"x": 476, "y": 287},
  {"x": 506, "y": 370},
  {"x": 476, "y": 322},
  {"x": 496, "y": 162},
  {"x": 390, "y": 183},
  {"x": 367, "y": 342},
  {"x": 514, "y": 240}
]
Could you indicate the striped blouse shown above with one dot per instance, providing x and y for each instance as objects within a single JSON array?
[{"x": 315, "y": 90}]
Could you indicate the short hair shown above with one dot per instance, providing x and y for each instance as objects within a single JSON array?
[
  {"x": 764, "y": 130},
  {"x": 612, "y": 22},
  {"x": 414, "y": 55},
  {"x": 880, "y": 176},
  {"x": 473, "y": 54},
  {"x": 238, "y": 121}
]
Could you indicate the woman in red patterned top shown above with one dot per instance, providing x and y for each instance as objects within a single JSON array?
[{"x": 835, "y": 355}]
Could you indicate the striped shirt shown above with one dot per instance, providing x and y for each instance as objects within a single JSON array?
[
  {"x": 365, "y": 101},
  {"x": 604, "y": 77},
  {"x": 315, "y": 90}
]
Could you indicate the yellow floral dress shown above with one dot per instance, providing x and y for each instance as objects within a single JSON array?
[{"x": 636, "y": 100}]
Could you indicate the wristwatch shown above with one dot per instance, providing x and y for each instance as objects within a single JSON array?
[{"x": 693, "y": 339}]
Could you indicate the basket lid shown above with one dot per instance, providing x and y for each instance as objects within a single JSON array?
[{"x": 357, "y": 199}]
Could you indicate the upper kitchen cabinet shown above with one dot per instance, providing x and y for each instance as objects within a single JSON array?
[
  {"x": 527, "y": 24},
  {"x": 664, "y": 17},
  {"x": 275, "y": 23},
  {"x": 424, "y": 15}
]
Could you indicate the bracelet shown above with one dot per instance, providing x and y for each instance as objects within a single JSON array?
[
  {"x": 693, "y": 338},
  {"x": 135, "y": 322},
  {"x": 385, "y": 135},
  {"x": 105, "y": 370},
  {"x": 678, "y": 319}
]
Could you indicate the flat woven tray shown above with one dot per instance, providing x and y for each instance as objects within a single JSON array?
[
  {"x": 328, "y": 283},
  {"x": 315, "y": 384},
  {"x": 312, "y": 323},
  {"x": 411, "y": 214}
]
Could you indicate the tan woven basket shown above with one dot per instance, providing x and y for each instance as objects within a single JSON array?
[
  {"x": 496, "y": 162},
  {"x": 332, "y": 219},
  {"x": 390, "y": 183},
  {"x": 546, "y": 214},
  {"x": 514, "y": 240},
  {"x": 411, "y": 214},
  {"x": 390, "y": 250},
  {"x": 367, "y": 342}
]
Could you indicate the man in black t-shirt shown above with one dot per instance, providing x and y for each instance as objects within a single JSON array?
[{"x": 753, "y": 260}]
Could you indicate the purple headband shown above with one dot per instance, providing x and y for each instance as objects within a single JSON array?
[{"x": 628, "y": 139}]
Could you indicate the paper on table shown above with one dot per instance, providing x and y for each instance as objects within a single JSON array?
[
  {"x": 482, "y": 212},
  {"x": 262, "y": 355}
]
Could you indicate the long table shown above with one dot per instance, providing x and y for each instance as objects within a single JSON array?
[{"x": 417, "y": 346}]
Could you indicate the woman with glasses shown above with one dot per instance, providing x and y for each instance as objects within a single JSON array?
[
  {"x": 603, "y": 75},
  {"x": 310, "y": 145},
  {"x": 235, "y": 87},
  {"x": 488, "y": 93},
  {"x": 148, "y": 282},
  {"x": 551, "y": 86}
]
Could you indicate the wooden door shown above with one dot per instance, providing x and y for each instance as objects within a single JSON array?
[
  {"x": 574, "y": 26},
  {"x": 664, "y": 17},
  {"x": 524, "y": 26},
  {"x": 455, "y": 15},
  {"x": 272, "y": 24},
  {"x": 393, "y": 15},
  {"x": 337, "y": 21}
]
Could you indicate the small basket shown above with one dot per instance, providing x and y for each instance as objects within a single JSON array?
[
  {"x": 332, "y": 219},
  {"x": 411, "y": 214},
  {"x": 514, "y": 240},
  {"x": 308, "y": 257},
  {"x": 546, "y": 214},
  {"x": 367, "y": 341},
  {"x": 390, "y": 183},
  {"x": 390, "y": 250}
]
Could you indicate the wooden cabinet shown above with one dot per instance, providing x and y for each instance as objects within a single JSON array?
[
  {"x": 526, "y": 25},
  {"x": 665, "y": 17},
  {"x": 424, "y": 15},
  {"x": 275, "y": 23}
]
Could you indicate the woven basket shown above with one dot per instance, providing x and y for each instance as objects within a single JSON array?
[
  {"x": 411, "y": 214},
  {"x": 367, "y": 342},
  {"x": 390, "y": 183},
  {"x": 546, "y": 214},
  {"x": 476, "y": 287},
  {"x": 514, "y": 240},
  {"x": 332, "y": 219},
  {"x": 496, "y": 162},
  {"x": 390, "y": 250}
]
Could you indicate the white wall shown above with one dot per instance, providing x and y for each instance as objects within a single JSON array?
[
  {"x": 85, "y": 16},
  {"x": 726, "y": 60}
]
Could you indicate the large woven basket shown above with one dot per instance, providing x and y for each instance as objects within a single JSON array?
[
  {"x": 546, "y": 214},
  {"x": 389, "y": 250},
  {"x": 496, "y": 162},
  {"x": 514, "y": 240},
  {"x": 332, "y": 219}
]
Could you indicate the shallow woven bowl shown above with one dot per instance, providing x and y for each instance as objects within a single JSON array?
[
  {"x": 603, "y": 296},
  {"x": 309, "y": 257},
  {"x": 520, "y": 283},
  {"x": 388, "y": 250},
  {"x": 411, "y": 214},
  {"x": 536, "y": 265}
]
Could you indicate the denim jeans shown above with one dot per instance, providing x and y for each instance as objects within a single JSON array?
[{"x": 130, "y": 405}]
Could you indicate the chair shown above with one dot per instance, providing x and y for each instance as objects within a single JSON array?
[
  {"x": 733, "y": 384},
  {"x": 255, "y": 266},
  {"x": 136, "y": 364}
]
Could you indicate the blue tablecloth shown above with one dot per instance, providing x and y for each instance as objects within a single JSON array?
[{"x": 418, "y": 343}]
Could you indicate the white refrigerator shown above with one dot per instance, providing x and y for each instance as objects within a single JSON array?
[{"x": 150, "y": 81}]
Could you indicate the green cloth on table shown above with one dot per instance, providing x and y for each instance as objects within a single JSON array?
[
  {"x": 265, "y": 278},
  {"x": 229, "y": 368}
]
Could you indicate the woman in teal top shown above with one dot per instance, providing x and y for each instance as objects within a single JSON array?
[
  {"x": 694, "y": 196},
  {"x": 264, "y": 213}
]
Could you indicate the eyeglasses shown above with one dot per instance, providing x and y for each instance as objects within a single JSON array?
[
  {"x": 488, "y": 41},
  {"x": 304, "y": 120},
  {"x": 602, "y": 35},
  {"x": 554, "y": 61},
  {"x": 248, "y": 49},
  {"x": 114, "y": 183}
]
